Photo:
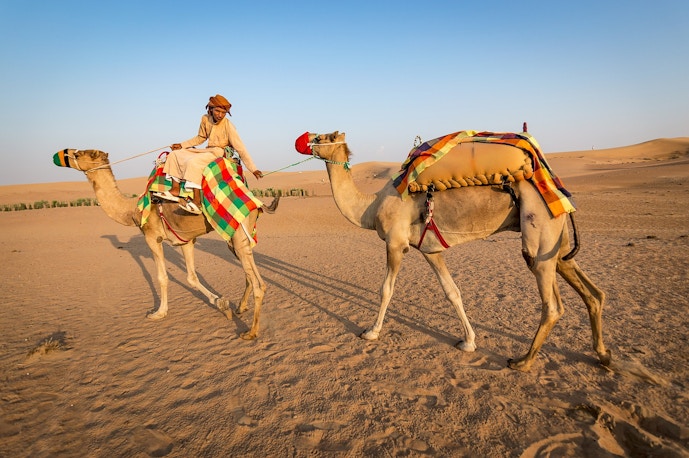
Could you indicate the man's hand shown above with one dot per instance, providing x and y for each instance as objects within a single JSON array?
[
  {"x": 175, "y": 146},
  {"x": 258, "y": 174}
]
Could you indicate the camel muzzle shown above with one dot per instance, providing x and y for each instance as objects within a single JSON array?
[
  {"x": 61, "y": 158},
  {"x": 302, "y": 144}
]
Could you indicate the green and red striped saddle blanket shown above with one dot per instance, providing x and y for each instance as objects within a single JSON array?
[{"x": 226, "y": 198}]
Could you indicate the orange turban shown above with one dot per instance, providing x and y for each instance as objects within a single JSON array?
[{"x": 220, "y": 102}]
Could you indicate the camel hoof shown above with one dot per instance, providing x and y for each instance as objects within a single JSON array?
[
  {"x": 248, "y": 335},
  {"x": 465, "y": 346},
  {"x": 518, "y": 365},
  {"x": 605, "y": 358},
  {"x": 222, "y": 304},
  {"x": 369, "y": 335},
  {"x": 241, "y": 310},
  {"x": 155, "y": 316}
]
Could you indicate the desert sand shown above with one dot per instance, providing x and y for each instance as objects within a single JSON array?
[{"x": 84, "y": 373}]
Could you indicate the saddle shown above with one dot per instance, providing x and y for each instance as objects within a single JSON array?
[
  {"x": 226, "y": 198},
  {"x": 470, "y": 158},
  {"x": 474, "y": 164}
]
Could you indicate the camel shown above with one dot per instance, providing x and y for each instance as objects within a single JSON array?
[
  {"x": 188, "y": 227},
  {"x": 463, "y": 215}
]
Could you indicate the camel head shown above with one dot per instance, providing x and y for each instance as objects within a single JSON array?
[
  {"x": 84, "y": 160},
  {"x": 324, "y": 146}
]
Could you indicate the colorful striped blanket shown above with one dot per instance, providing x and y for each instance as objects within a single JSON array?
[
  {"x": 226, "y": 198},
  {"x": 550, "y": 187}
]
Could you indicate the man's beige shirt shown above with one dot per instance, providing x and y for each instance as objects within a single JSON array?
[{"x": 221, "y": 135}]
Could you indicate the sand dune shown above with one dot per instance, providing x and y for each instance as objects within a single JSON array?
[{"x": 85, "y": 374}]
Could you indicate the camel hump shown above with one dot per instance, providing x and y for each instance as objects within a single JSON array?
[{"x": 475, "y": 164}]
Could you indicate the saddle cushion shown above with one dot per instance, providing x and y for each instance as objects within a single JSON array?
[{"x": 475, "y": 164}]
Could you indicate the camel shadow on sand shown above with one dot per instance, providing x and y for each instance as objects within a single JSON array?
[
  {"x": 278, "y": 274},
  {"x": 139, "y": 250}
]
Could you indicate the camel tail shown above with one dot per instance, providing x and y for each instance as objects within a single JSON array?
[
  {"x": 273, "y": 205},
  {"x": 575, "y": 250}
]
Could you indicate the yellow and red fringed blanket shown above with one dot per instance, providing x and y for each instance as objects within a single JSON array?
[
  {"x": 226, "y": 198},
  {"x": 550, "y": 187}
]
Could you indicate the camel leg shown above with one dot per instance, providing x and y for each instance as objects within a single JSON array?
[
  {"x": 242, "y": 250},
  {"x": 394, "y": 259},
  {"x": 551, "y": 311},
  {"x": 193, "y": 279},
  {"x": 437, "y": 262},
  {"x": 592, "y": 297},
  {"x": 542, "y": 240},
  {"x": 244, "y": 301},
  {"x": 159, "y": 259}
]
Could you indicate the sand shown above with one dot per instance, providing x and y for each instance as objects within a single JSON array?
[{"x": 84, "y": 373}]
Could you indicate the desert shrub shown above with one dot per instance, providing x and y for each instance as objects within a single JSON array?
[
  {"x": 271, "y": 192},
  {"x": 86, "y": 202},
  {"x": 41, "y": 204}
]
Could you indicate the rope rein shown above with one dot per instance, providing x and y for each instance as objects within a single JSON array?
[
  {"x": 105, "y": 166},
  {"x": 330, "y": 161},
  {"x": 346, "y": 164},
  {"x": 291, "y": 165}
]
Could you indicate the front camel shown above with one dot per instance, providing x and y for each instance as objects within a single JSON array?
[
  {"x": 463, "y": 214},
  {"x": 158, "y": 228}
]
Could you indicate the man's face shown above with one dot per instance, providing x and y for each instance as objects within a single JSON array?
[{"x": 218, "y": 113}]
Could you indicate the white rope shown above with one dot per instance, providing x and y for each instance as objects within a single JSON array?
[
  {"x": 344, "y": 164},
  {"x": 326, "y": 144},
  {"x": 104, "y": 166}
]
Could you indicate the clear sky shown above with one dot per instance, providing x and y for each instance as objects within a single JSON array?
[{"x": 126, "y": 76}]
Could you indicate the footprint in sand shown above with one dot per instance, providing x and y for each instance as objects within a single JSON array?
[
  {"x": 310, "y": 436},
  {"x": 424, "y": 397},
  {"x": 611, "y": 431},
  {"x": 153, "y": 442},
  {"x": 633, "y": 368},
  {"x": 241, "y": 418},
  {"x": 482, "y": 360}
]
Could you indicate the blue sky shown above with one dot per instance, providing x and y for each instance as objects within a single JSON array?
[{"x": 127, "y": 77}]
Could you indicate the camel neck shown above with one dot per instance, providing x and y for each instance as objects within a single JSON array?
[
  {"x": 352, "y": 203},
  {"x": 118, "y": 207}
]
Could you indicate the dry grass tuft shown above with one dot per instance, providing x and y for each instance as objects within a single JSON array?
[{"x": 55, "y": 342}]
